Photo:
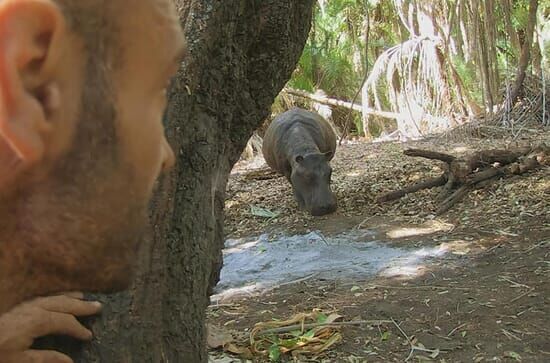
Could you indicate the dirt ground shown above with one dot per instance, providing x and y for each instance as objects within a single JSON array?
[{"x": 485, "y": 300}]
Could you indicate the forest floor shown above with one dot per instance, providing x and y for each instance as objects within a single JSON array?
[{"x": 488, "y": 297}]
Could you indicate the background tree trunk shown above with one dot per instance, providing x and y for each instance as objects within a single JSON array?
[
  {"x": 241, "y": 53},
  {"x": 525, "y": 51}
]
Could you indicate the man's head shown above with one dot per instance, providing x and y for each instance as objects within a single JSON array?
[{"x": 82, "y": 93}]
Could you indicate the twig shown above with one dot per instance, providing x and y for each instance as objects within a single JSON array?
[
  {"x": 217, "y": 306},
  {"x": 455, "y": 329},
  {"x": 510, "y": 335},
  {"x": 363, "y": 222},
  {"x": 293, "y": 281},
  {"x": 494, "y": 247},
  {"x": 319, "y": 234},
  {"x": 536, "y": 246},
  {"x": 413, "y": 347},
  {"x": 423, "y": 287},
  {"x": 498, "y": 231},
  {"x": 522, "y": 295},
  {"x": 411, "y": 352},
  {"x": 516, "y": 284},
  {"x": 286, "y": 329},
  {"x": 542, "y": 243}
]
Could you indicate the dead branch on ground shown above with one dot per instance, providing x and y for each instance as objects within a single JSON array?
[{"x": 474, "y": 171}]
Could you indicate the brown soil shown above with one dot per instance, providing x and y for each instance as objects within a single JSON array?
[{"x": 488, "y": 300}]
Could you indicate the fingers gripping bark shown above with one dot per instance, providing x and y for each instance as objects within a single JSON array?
[
  {"x": 69, "y": 305},
  {"x": 52, "y": 315}
]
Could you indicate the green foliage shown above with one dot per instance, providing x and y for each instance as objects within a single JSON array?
[
  {"x": 302, "y": 77},
  {"x": 336, "y": 56},
  {"x": 469, "y": 76},
  {"x": 327, "y": 60},
  {"x": 274, "y": 353}
]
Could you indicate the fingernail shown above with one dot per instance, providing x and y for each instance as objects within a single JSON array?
[{"x": 97, "y": 304}]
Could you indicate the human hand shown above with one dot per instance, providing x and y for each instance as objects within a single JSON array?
[{"x": 40, "y": 317}]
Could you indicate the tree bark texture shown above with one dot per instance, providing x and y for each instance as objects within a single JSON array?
[{"x": 241, "y": 53}]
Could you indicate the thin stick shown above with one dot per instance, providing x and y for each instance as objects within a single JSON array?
[
  {"x": 423, "y": 287},
  {"x": 286, "y": 329},
  {"x": 522, "y": 295},
  {"x": 293, "y": 281},
  {"x": 413, "y": 347},
  {"x": 516, "y": 284},
  {"x": 510, "y": 335},
  {"x": 411, "y": 352},
  {"x": 455, "y": 329},
  {"x": 217, "y": 306},
  {"x": 322, "y": 237}
]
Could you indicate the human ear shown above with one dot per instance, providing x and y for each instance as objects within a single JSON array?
[{"x": 30, "y": 47}]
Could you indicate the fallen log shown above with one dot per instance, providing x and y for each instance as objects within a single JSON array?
[
  {"x": 339, "y": 103},
  {"x": 428, "y": 154},
  {"x": 477, "y": 170}
]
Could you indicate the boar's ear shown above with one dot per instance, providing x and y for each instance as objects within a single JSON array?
[
  {"x": 299, "y": 159},
  {"x": 329, "y": 155}
]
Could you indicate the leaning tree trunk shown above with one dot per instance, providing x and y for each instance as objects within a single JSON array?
[{"x": 241, "y": 53}]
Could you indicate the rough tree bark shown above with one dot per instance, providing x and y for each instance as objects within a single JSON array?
[{"x": 241, "y": 53}]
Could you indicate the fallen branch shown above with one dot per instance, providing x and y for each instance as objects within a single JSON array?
[
  {"x": 430, "y": 183},
  {"x": 434, "y": 155},
  {"x": 478, "y": 170},
  {"x": 339, "y": 103}
]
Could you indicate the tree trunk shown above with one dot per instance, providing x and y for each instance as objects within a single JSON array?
[
  {"x": 525, "y": 51},
  {"x": 511, "y": 32},
  {"x": 491, "y": 49},
  {"x": 241, "y": 55},
  {"x": 483, "y": 56}
]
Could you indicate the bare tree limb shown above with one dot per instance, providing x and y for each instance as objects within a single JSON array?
[
  {"x": 338, "y": 103},
  {"x": 430, "y": 155},
  {"x": 430, "y": 183}
]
